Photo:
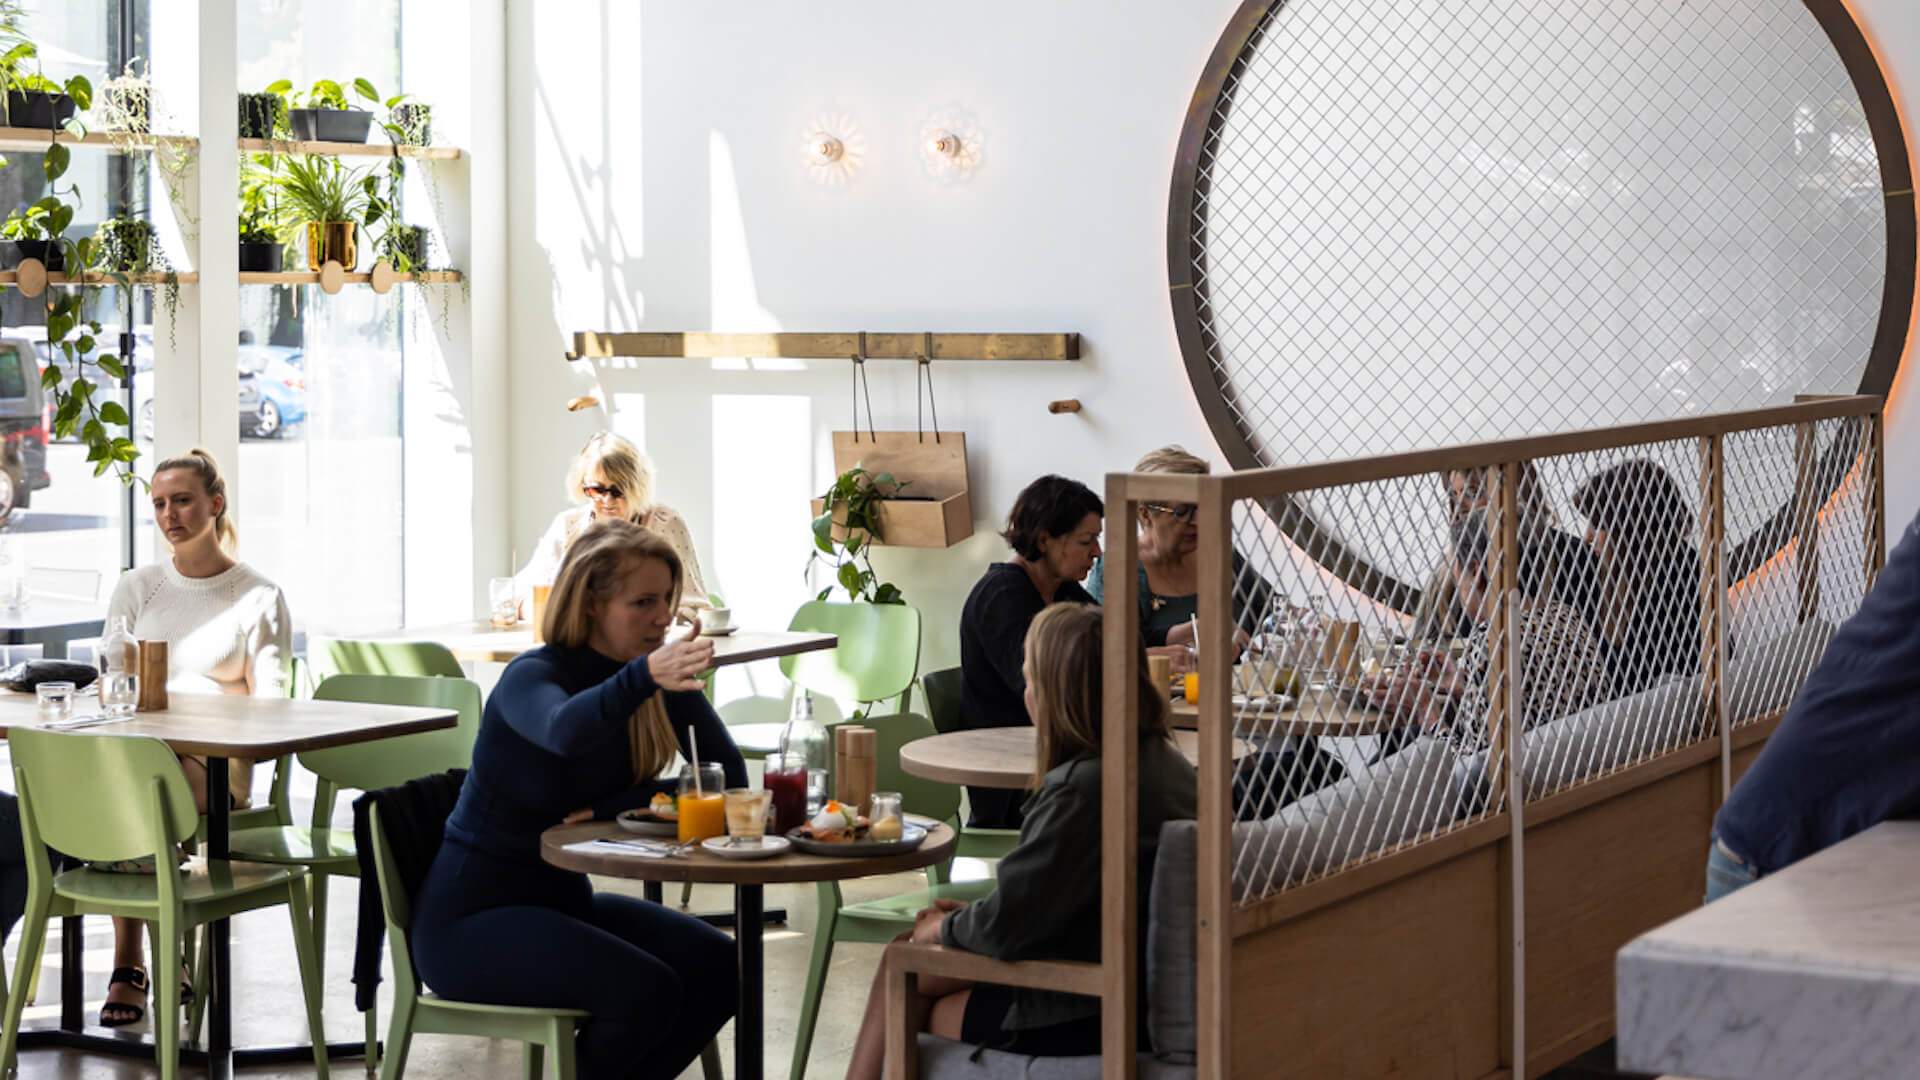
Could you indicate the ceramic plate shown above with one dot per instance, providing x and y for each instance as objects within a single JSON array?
[
  {"x": 911, "y": 837},
  {"x": 704, "y": 632},
  {"x": 643, "y": 822},
  {"x": 732, "y": 847}
]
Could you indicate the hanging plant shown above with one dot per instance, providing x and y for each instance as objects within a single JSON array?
[
  {"x": 126, "y": 102},
  {"x": 126, "y": 247},
  {"x": 848, "y": 526}
]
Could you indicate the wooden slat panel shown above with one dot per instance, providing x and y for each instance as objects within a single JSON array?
[
  {"x": 1595, "y": 880},
  {"x": 1400, "y": 981},
  {"x": 1119, "y": 802},
  {"x": 1213, "y": 933},
  {"x": 838, "y": 345}
]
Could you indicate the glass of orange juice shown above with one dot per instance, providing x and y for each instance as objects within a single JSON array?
[
  {"x": 1191, "y": 688},
  {"x": 703, "y": 804}
]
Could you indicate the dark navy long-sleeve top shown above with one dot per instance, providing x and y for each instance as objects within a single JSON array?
[
  {"x": 1847, "y": 756},
  {"x": 554, "y": 740}
]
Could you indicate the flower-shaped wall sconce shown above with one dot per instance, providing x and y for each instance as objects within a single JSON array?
[
  {"x": 952, "y": 146},
  {"x": 833, "y": 150}
]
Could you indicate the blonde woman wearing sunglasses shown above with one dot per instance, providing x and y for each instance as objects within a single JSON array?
[{"x": 610, "y": 479}]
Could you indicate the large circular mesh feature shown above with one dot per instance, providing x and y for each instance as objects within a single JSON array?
[{"x": 1423, "y": 222}]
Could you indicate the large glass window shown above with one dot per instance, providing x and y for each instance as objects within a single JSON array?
[{"x": 322, "y": 448}]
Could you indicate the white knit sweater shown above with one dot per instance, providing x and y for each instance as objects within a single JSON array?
[
  {"x": 226, "y": 634},
  {"x": 568, "y": 524}
]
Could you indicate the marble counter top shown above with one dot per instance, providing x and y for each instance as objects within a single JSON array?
[{"x": 1812, "y": 972}]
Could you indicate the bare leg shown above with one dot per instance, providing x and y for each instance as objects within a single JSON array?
[
  {"x": 129, "y": 944},
  {"x": 869, "y": 1047}
]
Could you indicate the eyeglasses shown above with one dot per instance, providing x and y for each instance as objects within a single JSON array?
[
  {"x": 601, "y": 491},
  {"x": 1177, "y": 511}
]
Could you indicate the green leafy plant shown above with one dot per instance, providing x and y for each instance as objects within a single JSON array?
[
  {"x": 259, "y": 215},
  {"x": 314, "y": 188},
  {"x": 45, "y": 218},
  {"x": 128, "y": 246},
  {"x": 853, "y": 505}
]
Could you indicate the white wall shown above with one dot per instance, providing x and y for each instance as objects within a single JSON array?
[{"x": 656, "y": 181}]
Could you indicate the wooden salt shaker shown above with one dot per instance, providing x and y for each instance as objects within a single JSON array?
[
  {"x": 152, "y": 670},
  {"x": 860, "y": 770}
]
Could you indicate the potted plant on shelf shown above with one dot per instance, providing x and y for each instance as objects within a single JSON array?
[
  {"x": 409, "y": 123},
  {"x": 260, "y": 235},
  {"x": 405, "y": 247},
  {"x": 328, "y": 117},
  {"x": 845, "y": 531},
  {"x": 35, "y": 101},
  {"x": 263, "y": 115},
  {"x": 124, "y": 247},
  {"x": 126, "y": 102},
  {"x": 328, "y": 199},
  {"x": 37, "y": 231}
]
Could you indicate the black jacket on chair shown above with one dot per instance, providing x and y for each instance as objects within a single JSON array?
[{"x": 414, "y": 817}]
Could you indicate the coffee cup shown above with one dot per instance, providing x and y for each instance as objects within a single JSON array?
[{"x": 716, "y": 620}]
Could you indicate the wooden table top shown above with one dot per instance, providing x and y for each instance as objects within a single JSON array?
[
  {"x": 235, "y": 725},
  {"x": 710, "y": 869},
  {"x": 479, "y": 642},
  {"x": 1001, "y": 757},
  {"x": 1318, "y": 712}
]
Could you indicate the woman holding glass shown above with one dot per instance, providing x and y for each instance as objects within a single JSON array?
[
  {"x": 591, "y": 717},
  {"x": 227, "y": 632},
  {"x": 611, "y": 480}
]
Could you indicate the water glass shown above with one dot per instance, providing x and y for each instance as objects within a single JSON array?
[
  {"x": 55, "y": 700},
  {"x": 747, "y": 813},
  {"x": 119, "y": 693},
  {"x": 504, "y": 601}
]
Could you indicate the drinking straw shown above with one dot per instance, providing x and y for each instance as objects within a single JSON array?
[
  {"x": 698, "y": 791},
  {"x": 1194, "y": 622}
]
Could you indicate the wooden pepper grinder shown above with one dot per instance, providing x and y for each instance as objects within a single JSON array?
[
  {"x": 855, "y": 752},
  {"x": 152, "y": 670}
]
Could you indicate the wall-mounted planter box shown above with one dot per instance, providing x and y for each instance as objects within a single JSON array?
[{"x": 936, "y": 510}]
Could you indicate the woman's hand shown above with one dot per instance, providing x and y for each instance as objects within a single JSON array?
[
  {"x": 678, "y": 665},
  {"x": 578, "y": 816},
  {"x": 927, "y": 924}
]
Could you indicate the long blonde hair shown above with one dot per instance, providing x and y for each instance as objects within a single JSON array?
[
  {"x": 594, "y": 568},
  {"x": 624, "y": 466},
  {"x": 201, "y": 464},
  {"x": 1064, "y": 654}
]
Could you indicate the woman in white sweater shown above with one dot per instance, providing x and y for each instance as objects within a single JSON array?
[
  {"x": 611, "y": 478},
  {"x": 227, "y": 632}
]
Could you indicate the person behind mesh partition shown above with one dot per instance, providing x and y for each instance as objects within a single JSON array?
[
  {"x": 1046, "y": 900},
  {"x": 1561, "y": 661},
  {"x": 1640, "y": 525},
  {"x": 1847, "y": 755}
]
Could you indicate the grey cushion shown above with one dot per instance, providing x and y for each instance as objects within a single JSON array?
[
  {"x": 944, "y": 1059},
  {"x": 1765, "y": 679},
  {"x": 1599, "y": 739},
  {"x": 1172, "y": 975},
  {"x": 1395, "y": 800}
]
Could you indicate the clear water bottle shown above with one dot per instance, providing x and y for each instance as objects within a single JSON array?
[
  {"x": 804, "y": 737},
  {"x": 119, "y": 652}
]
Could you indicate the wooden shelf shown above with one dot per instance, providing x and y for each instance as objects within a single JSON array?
[
  {"x": 701, "y": 344},
  {"x": 184, "y": 277},
  {"x": 312, "y": 277},
  {"x": 12, "y": 138},
  {"x": 341, "y": 149}
]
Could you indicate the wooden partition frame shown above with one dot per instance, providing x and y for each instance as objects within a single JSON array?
[{"x": 1486, "y": 861}]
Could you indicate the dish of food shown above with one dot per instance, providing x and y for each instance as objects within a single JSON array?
[
  {"x": 837, "y": 830},
  {"x": 647, "y": 821}
]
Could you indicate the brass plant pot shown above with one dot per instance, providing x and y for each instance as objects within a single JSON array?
[{"x": 332, "y": 241}]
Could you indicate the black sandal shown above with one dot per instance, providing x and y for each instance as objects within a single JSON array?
[{"x": 125, "y": 1013}]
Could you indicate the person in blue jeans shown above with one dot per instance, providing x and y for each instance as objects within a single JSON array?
[
  {"x": 582, "y": 728},
  {"x": 1847, "y": 756}
]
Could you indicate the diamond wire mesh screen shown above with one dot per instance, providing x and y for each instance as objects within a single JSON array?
[
  {"x": 1424, "y": 223},
  {"x": 1395, "y": 733}
]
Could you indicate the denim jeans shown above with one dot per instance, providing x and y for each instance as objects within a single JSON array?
[{"x": 1727, "y": 872}]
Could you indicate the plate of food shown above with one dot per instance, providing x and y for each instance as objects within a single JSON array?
[
  {"x": 837, "y": 830},
  {"x": 659, "y": 818},
  {"x": 733, "y": 847}
]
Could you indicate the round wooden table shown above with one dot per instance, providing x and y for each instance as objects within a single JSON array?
[
  {"x": 749, "y": 877},
  {"x": 1318, "y": 712},
  {"x": 1000, "y": 757}
]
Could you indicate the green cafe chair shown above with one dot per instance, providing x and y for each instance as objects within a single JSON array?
[
  {"x": 326, "y": 851},
  {"x": 105, "y": 798},
  {"x": 942, "y": 689},
  {"x": 877, "y": 656},
  {"x": 353, "y": 656},
  {"x": 878, "y": 921}
]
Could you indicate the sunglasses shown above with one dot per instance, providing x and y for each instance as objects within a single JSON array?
[
  {"x": 601, "y": 491},
  {"x": 1177, "y": 511}
]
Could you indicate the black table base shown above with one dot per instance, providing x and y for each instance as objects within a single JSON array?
[{"x": 749, "y": 1024}]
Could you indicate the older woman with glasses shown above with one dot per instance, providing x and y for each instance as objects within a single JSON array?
[{"x": 610, "y": 479}]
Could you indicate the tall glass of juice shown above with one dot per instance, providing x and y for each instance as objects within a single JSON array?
[
  {"x": 786, "y": 779},
  {"x": 703, "y": 806}
]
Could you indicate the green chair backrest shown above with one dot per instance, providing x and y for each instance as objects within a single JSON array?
[
  {"x": 349, "y": 656},
  {"x": 397, "y": 906},
  {"x": 943, "y": 698},
  {"x": 930, "y": 798},
  {"x": 386, "y": 762},
  {"x": 93, "y": 796},
  {"x": 878, "y": 654}
]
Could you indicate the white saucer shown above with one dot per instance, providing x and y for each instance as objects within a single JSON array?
[
  {"x": 726, "y": 848},
  {"x": 704, "y": 632}
]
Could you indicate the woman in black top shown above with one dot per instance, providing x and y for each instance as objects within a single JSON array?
[
  {"x": 1640, "y": 526},
  {"x": 1054, "y": 530},
  {"x": 582, "y": 728},
  {"x": 1046, "y": 899}
]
